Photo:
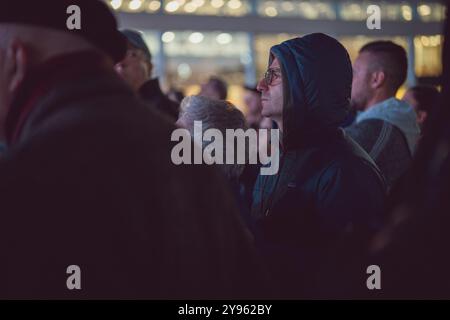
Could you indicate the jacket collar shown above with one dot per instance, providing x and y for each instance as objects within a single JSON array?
[
  {"x": 150, "y": 89},
  {"x": 399, "y": 114},
  {"x": 40, "y": 81}
]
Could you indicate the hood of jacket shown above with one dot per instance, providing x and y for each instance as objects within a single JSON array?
[
  {"x": 317, "y": 78},
  {"x": 397, "y": 113}
]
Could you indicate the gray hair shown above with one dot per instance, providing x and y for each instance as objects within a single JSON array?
[{"x": 214, "y": 114}]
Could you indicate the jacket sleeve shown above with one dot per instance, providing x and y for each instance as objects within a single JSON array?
[{"x": 349, "y": 202}]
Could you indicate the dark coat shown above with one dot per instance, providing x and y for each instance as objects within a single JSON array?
[
  {"x": 412, "y": 251},
  {"x": 2, "y": 149},
  {"x": 388, "y": 132},
  {"x": 152, "y": 94},
  {"x": 386, "y": 145},
  {"x": 315, "y": 216},
  {"x": 89, "y": 181}
]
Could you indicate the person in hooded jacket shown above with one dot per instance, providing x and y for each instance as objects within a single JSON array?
[{"x": 314, "y": 217}]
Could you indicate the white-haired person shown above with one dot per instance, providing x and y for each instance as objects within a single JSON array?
[{"x": 220, "y": 115}]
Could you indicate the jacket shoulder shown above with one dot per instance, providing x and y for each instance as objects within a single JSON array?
[
  {"x": 374, "y": 135},
  {"x": 366, "y": 132}
]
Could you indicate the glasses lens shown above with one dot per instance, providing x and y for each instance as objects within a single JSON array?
[{"x": 268, "y": 77}]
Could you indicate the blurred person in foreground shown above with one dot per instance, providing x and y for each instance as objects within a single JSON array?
[
  {"x": 385, "y": 127},
  {"x": 88, "y": 179},
  {"x": 412, "y": 251},
  {"x": 136, "y": 69},
  {"x": 315, "y": 216}
]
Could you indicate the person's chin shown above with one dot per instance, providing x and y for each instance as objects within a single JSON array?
[
  {"x": 265, "y": 113},
  {"x": 265, "y": 110}
]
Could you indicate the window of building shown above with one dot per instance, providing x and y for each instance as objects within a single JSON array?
[
  {"x": 431, "y": 11},
  {"x": 294, "y": 8},
  {"x": 428, "y": 53}
]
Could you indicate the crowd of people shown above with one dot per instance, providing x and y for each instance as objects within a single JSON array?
[{"x": 86, "y": 176}]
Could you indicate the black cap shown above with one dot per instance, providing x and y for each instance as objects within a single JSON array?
[
  {"x": 98, "y": 24},
  {"x": 136, "y": 39}
]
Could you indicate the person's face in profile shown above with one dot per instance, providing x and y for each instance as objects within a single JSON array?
[
  {"x": 361, "y": 84},
  {"x": 271, "y": 88},
  {"x": 135, "y": 68}
]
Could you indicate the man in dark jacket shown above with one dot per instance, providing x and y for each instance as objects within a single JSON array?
[
  {"x": 91, "y": 204},
  {"x": 315, "y": 215},
  {"x": 136, "y": 69}
]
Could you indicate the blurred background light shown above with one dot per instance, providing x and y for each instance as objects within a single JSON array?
[
  {"x": 135, "y": 4},
  {"x": 154, "y": 5},
  {"x": 271, "y": 11},
  {"x": 168, "y": 37},
  {"x": 234, "y": 4},
  {"x": 424, "y": 10},
  {"x": 184, "y": 70},
  {"x": 224, "y": 38},
  {"x": 116, "y": 4},
  {"x": 217, "y": 3},
  {"x": 172, "y": 6},
  {"x": 196, "y": 37}
]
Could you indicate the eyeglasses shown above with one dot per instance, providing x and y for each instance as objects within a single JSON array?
[{"x": 269, "y": 75}]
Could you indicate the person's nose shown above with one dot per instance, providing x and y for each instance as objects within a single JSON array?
[
  {"x": 119, "y": 66},
  {"x": 261, "y": 85}
]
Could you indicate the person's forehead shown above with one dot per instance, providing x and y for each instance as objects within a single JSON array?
[
  {"x": 359, "y": 63},
  {"x": 365, "y": 57}
]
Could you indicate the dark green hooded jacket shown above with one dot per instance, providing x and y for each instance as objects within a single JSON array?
[{"x": 314, "y": 217}]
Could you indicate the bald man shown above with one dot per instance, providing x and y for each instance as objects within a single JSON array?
[{"x": 91, "y": 206}]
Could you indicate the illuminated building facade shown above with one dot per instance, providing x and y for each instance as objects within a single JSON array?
[{"x": 193, "y": 39}]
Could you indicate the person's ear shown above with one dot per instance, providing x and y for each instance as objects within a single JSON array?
[
  {"x": 150, "y": 69},
  {"x": 18, "y": 60},
  {"x": 378, "y": 79}
]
